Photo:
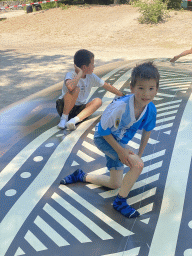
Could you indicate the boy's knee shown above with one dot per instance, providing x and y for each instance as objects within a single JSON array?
[
  {"x": 139, "y": 163},
  {"x": 75, "y": 91},
  {"x": 116, "y": 184},
  {"x": 98, "y": 102}
]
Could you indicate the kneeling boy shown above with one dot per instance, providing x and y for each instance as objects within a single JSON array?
[{"x": 118, "y": 125}]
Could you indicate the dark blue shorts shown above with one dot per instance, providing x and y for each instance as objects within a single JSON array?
[{"x": 113, "y": 162}]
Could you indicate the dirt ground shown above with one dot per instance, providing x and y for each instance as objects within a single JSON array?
[{"x": 37, "y": 48}]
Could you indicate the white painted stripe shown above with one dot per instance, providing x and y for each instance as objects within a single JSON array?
[
  {"x": 179, "y": 84},
  {"x": 157, "y": 98},
  {"x": 84, "y": 156},
  {"x": 127, "y": 90},
  {"x": 66, "y": 224},
  {"x": 166, "y": 95},
  {"x": 90, "y": 136},
  {"x": 171, "y": 87},
  {"x": 92, "y": 148},
  {"x": 133, "y": 144},
  {"x": 150, "y": 141},
  {"x": 167, "y": 132},
  {"x": 16, "y": 163},
  {"x": 167, "y": 113},
  {"x": 168, "y": 225},
  {"x": 162, "y": 120},
  {"x": 153, "y": 156},
  {"x": 82, "y": 218},
  {"x": 50, "y": 232},
  {"x": 146, "y": 209},
  {"x": 180, "y": 89},
  {"x": 93, "y": 186},
  {"x": 142, "y": 196},
  {"x": 19, "y": 252},
  {"x": 113, "y": 224},
  {"x": 34, "y": 242},
  {"x": 105, "y": 77},
  {"x": 100, "y": 171},
  {"x": 27, "y": 201},
  {"x": 146, "y": 181},
  {"x": 152, "y": 167},
  {"x": 118, "y": 84},
  {"x": 177, "y": 80},
  {"x": 167, "y": 103},
  {"x": 146, "y": 221},
  {"x": 74, "y": 163},
  {"x": 167, "y": 108},
  {"x": 161, "y": 127},
  {"x": 132, "y": 252},
  {"x": 109, "y": 193}
]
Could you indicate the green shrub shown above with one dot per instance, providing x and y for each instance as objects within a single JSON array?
[
  {"x": 152, "y": 11},
  {"x": 48, "y": 5}
]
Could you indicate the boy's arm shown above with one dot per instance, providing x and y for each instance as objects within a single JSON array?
[
  {"x": 112, "y": 89},
  {"x": 144, "y": 139},
  {"x": 72, "y": 83},
  {"x": 181, "y": 55}
]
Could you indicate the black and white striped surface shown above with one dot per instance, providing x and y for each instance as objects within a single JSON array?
[{"x": 40, "y": 217}]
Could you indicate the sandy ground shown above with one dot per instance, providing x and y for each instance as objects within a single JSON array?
[{"x": 37, "y": 49}]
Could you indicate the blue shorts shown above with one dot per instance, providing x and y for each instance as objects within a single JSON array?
[{"x": 113, "y": 162}]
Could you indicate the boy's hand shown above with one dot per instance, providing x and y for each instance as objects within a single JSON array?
[
  {"x": 78, "y": 70},
  {"x": 124, "y": 157}
]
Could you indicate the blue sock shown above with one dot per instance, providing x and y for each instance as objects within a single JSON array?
[
  {"x": 78, "y": 175},
  {"x": 120, "y": 204}
]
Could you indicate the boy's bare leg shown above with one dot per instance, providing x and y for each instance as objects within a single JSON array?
[
  {"x": 113, "y": 181},
  {"x": 90, "y": 108},
  {"x": 131, "y": 176},
  {"x": 116, "y": 179},
  {"x": 120, "y": 203},
  {"x": 69, "y": 100}
]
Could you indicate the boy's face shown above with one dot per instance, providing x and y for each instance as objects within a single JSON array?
[
  {"x": 145, "y": 91},
  {"x": 88, "y": 69}
]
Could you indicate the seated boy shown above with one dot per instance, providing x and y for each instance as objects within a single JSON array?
[
  {"x": 119, "y": 123},
  {"x": 76, "y": 88}
]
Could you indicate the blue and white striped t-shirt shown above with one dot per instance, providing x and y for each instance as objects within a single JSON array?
[{"x": 119, "y": 120}]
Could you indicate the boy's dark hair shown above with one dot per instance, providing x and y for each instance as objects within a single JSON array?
[
  {"x": 83, "y": 57},
  {"x": 145, "y": 71}
]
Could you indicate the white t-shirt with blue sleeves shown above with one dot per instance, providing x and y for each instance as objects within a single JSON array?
[
  {"x": 119, "y": 120},
  {"x": 85, "y": 85}
]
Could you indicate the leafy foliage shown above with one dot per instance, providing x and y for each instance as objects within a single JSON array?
[{"x": 153, "y": 11}]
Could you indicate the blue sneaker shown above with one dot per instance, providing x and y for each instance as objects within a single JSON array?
[
  {"x": 120, "y": 204},
  {"x": 78, "y": 175}
]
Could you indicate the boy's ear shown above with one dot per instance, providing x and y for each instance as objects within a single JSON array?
[{"x": 83, "y": 67}]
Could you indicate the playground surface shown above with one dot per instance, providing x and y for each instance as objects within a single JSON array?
[{"x": 41, "y": 217}]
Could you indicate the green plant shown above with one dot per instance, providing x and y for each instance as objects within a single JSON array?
[
  {"x": 48, "y": 5},
  {"x": 153, "y": 11}
]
